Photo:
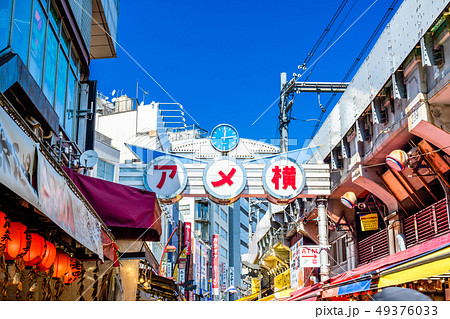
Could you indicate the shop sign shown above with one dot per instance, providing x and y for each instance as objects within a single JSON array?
[
  {"x": 231, "y": 273},
  {"x": 64, "y": 208},
  {"x": 215, "y": 268},
  {"x": 187, "y": 237},
  {"x": 255, "y": 285},
  {"x": 197, "y": 265},
  {"x": 369, "y": 222},
  {"x": 283, "y": 280},
  {"x": 224, "y": 179},
  {"x": 164, "y": 268},
  {"x": 204, "y": 262},
  {"x": 330, "y": 292},
  {"x": 209, "y": 290},
  {"x": 166, "y": 176},
  {"x": 297, "y": 277},
  {"x": 17, "y": 159},
  {"x": 283, "y": 179},
  {"x": 223, "y": 282},
  {"x": 169, "y": 270},
  {"x": 309, "y": 256}
]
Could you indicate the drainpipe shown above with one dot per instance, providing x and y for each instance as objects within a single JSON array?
[{"x": 323, "y": 238}]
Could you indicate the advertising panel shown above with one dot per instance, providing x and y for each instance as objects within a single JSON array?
[
  {"x": 215, "y": 268},
  {"x": 295, "y": 269},
  {"x": 369, "y": 222},
  {"x": 282, "y": 281},
  {"x": 187, "y": 238}
]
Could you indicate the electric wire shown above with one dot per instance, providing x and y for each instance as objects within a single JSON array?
[{"x": 355, "y": 63}]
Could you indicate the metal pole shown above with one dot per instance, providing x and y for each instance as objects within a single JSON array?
[
  {"x": 284, "y": 121},
  {"x": 164, "y": 251},
  {"x": 323, "y": 238}
]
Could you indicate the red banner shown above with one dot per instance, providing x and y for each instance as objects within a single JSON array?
[
  {"x": 215, "y": 264},
  {"x": 187, "y": 238}
]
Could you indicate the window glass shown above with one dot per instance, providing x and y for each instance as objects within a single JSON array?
[
  {"x": 21, "y": 28},
  {"x": 73, "y": 59},
  {"x": 105, "y": 170},
  {"x": 71, "y": 103},
  {"x": 223, "y": 233},
  {"x": 5, "y": 18},
  {"x": 54, "y": 19},
  {"x": 61, "y": 86},
  {"x": 37, "y": 42},
  {"x": 223, "y": 215},
  {"x": 50, "y": 66},
  {"x": 223, "y": 252},
  {"x": 216, "y": 229},
  {"x": 65, "y": 41}
]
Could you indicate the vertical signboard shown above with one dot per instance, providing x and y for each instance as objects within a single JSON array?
[
  {"x": 203, "y": 276},
  {"x": 231, "y": 279},
  {"x": 187, "y": 238},
  {"x": 223, "y": 282},
  {"x": 215, "y": 264},
  {"x": 295, "y": 269},
  {"x": 197, "y": 266}
]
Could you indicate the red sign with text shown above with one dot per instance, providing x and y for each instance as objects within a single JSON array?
[
  {"x": 187, "y": 238},
  {"x": 215, "y": 264}
]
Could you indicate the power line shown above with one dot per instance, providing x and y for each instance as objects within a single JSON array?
[{"x": 356, "y": 62}]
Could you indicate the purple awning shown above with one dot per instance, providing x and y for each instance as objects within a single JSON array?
[{"x": 128, "y": 211}]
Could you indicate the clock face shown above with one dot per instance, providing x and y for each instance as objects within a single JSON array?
[{"x": 224, "y": 138}]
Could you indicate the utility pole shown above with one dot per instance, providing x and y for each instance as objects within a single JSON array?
[{"x": 291, "y": 87}]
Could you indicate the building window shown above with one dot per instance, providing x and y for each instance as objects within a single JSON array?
[
  {"x": 223, "y": 233},
  {"x": 21, "y": 29},
  {"x": 5, "y": 16},
  {"x": 202, "y": 231},
  {"x": 105, "y": 170},
  {"x": 185, "y": 209},
  {"x": 223, "y": 252},
  {"x": 223, "y": 215},
  {"x": 338, "y": 251},
  {"x": 37, "y": 42},
  {"x": 202, "y": 211},
  {"x": 216, "y": 228}
]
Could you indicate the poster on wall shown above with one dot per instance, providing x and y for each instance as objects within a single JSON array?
[
  {"x": 64, "y": 208},
  {"x": 369, "y": 222},
  {"x": 17, "y": 159}
]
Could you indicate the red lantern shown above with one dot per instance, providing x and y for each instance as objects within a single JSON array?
[
  {"x": 48, "y": 258},
  {"x": 36, "y": 251},
  {"x": 74, "y": 271},
  {"x": 4, "y": 228},
  {"x": 19, "y": 243},
  {"x": 61, "y": 264}
]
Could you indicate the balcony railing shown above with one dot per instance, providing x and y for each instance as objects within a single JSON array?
[
  {"x": 373, "y": 247},
  {"x": 430, "y": 222}
]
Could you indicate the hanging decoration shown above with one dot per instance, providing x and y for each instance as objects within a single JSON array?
[
  {"x": 32, "y": 279},
  {"x": 349, "y": 200},
  {"x": 81, "y": 291},
  {"x": 397, "y": 160},
  {"x": 19, "y": 278},
  {"x": 36, "y": 252},
  {"x": 74, "y": 271},
  {"x": 19, "y": 243},
  {"x": 61, "y": 264},
  {"x": 48, "y": 258}
]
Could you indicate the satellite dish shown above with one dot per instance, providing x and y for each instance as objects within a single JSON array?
[
  {"x": 113, "y": 92},
  {"x": 89, "y": 159}
]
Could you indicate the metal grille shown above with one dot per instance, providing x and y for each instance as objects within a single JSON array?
[
  {"x": 373, "y": 247},
  {"x": 430, "y": 222}
]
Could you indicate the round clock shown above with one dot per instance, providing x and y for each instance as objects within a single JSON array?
[{"x": 224, "y": 138}]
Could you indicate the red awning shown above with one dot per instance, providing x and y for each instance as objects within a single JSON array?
[
  {"x": 392, "y": 259},
  {"x": 305, "y": 293},
  {"x": 130, "y": 212}
]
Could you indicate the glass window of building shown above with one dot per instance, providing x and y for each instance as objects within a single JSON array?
[
  {"x": 223, "y": 252},
  {"x": 216, "y": 228},
  {"x": 202, "y": 231},
  {"x": 105, "y": 170},
  {"x": 37, "y": 42},
  {"x": 223, "y": 233},
  {"x": 21, "y": 28},
  {"x": 185, "y": 209},
  {"x": 223, "y": 215},
  {"x": 51, "y": 53},
  {"x": 61, "y": 86},
  {"x": 5, "y": 14}
]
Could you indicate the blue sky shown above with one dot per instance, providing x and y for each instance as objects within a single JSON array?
[{"x": 222, "y": 60}]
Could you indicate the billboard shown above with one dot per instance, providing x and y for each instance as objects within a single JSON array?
[{"x": 215, "y": 265}]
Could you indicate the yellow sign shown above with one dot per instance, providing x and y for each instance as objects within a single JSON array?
[
  {"x": 255, "y": 285},
  {"x": 369, "y": 222},
  {"x": 283, "y": 280}
]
